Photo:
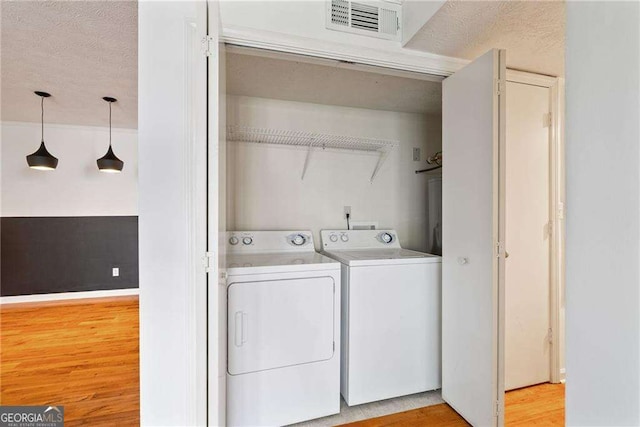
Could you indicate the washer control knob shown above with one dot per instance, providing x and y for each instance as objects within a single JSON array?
[
  {"x": 344, "y": 237},
  {"x": 386, "y": 237},
  {"x": 299, "y": 240},
  {"x": 333, "y": 238},
  {"x": 233, "y": 240},
  {"x": 247, "y": 240}
]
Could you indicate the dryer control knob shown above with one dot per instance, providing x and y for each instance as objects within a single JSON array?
[
  {"x": 333, "y": 238},
  {"x": 344, "y": 237},
  {"x": 247, "y": 240},
  {"x": 233, "y": 240},
  {"x": 299, "y": 240},
  {"x": 386, "y": 237}
]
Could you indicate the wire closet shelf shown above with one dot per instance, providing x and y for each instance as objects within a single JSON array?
[{"x": 311, "y": 141}]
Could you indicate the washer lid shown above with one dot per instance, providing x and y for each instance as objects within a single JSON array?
[
  {"x": 368, "y": 257},
  {"x": 275, "y": 262}
]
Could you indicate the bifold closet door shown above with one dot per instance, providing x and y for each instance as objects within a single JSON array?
[
  {"x": 216, "y": 289},
  {"x": 473, "y": 136}
]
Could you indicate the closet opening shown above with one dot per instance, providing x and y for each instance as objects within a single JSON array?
[{"x": 314, "y": 144}]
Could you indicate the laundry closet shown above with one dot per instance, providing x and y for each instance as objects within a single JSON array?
[
  {"x": 334, "y": 135},
  {"x": 309, "y": 140}
]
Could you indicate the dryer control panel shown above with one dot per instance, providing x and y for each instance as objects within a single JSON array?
[
  {"x": 269, "y": 241},
  {"x": 359, "y": 239}
]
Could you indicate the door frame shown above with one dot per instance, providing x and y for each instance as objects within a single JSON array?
[
  {"x": 556, "y": 209},
  {"x": 406, "y": 60}
]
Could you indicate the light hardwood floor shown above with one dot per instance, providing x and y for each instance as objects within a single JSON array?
[
  {"x": 82, "y": 354},
  {"x": 540, "y": 405}
]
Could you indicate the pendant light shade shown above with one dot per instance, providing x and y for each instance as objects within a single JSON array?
[
  {"x": 42, "y": 159},
  {"x": 110, "y": 163}
]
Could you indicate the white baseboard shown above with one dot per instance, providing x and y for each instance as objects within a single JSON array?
[
  {"x": 562, "y": 375},
  {"x": 68, "y": 296}
]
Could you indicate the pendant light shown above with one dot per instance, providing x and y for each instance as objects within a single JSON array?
[
  {"x": 109, "y": 162},
  {"x": 42, "y": 159}
]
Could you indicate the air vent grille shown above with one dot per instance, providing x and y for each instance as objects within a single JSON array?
[
  {"x": 372, "y": 18},
  {"x": 364, "y": 17},
  {"x": 340, "y": 12},
  {"x": 389, "y": 21}
]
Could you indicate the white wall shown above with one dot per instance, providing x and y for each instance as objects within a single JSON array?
[
  {"x": 300, "y": 26},
  {"x": 297, "y": 18},
  {"x": 76, "y": 187},
  {"x": 603, "y": 213},
  {"x": 265, "y": 190},
  {"x": 415, "y": 14}
]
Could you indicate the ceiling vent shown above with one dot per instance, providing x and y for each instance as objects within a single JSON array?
[{"x": 373, "y": 19}]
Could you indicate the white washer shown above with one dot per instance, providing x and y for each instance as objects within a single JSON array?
[
  {"x": 283, "y": 317},
  {"x": 390, "y": 315}
]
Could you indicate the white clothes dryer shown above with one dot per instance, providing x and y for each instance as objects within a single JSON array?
[{"x": 283, "y": 319}]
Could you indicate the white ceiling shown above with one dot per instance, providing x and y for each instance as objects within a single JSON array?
[
  {"x": 330, "y": 83},
  {"x": 532, "y": 32},
  {"x": 79, "y": 51}
]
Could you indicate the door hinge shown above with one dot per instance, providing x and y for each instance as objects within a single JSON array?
[
  {"x": 206, "y": 261},
  {"x": 547, "y": 120},
  {"x": 499, "y": 85},
  {"x": 550, "y": 336},
  {"x": 550, "y": 228},
  {"x": 497, "y": 408},
  {"x": 560, "y": 210},
  {"x": 499, "y": 249},
  {"x": 207, "y": 42}
]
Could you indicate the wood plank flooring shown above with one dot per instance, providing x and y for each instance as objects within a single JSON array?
[
  {"x": 540, "y": 405},
  {"x": 82, "y": 354}
]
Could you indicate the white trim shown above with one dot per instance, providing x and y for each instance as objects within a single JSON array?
[
  {"x": 18, "y": 299},
  {"x": 399, "y": 59},
  {"x": 195, "y": 196},
  {"x": 334, "y": 63},
  {"x": 66, "y": 126},
  {"x": 557, "y": 198},
  {"x": 525, "y": 77}
]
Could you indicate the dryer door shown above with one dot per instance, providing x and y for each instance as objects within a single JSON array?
[{"x": 278, "y": 323}]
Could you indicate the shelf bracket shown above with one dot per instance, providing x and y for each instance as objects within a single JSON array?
[
  {"x": 381, "y": 160},
  {"x": 306, "y": 160}
]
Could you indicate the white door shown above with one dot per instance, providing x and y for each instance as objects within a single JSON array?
[
  {"x": 278, "y": 323},
  {"x": 216, "y": 220},
  {"x": 473, "y": 132},
  {"x": 527, "y": 291}
]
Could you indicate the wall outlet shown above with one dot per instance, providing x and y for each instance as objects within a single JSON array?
[
  {"x": 416, "y": 154},
  {"x": 115, "y": 272},
  {"x": 347, "y": 210}
]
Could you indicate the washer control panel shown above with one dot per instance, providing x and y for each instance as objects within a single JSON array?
[
  {"x": 359, "y": 239},
  {"x": 269, "y": 241}
]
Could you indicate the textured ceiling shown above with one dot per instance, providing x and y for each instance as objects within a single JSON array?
[
  {"x": 79, "y": 51},
  {"x": 532, "y": 32},
  {"x": 264, "y": 77}
]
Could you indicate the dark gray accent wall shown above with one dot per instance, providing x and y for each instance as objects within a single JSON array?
[{"x": 67, "y": 254}]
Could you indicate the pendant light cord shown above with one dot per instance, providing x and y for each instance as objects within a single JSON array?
[
  {"x": 42, "y": 117},
  {"x": 109, "y": 124}
]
